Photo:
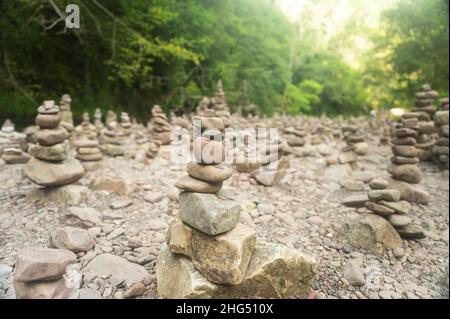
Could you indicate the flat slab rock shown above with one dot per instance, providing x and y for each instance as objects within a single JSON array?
[
  {"x": 70, "y": 194},
  {"x": 53, "y": 174},
  {"x": 371, "y": 232},
  {"x": 274, "y": 272},
  {"x": 118, "y": 268},
  {"x": 209, "y": 213}
]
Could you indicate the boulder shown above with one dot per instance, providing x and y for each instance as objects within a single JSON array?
[
  {"x": 69, "y": 194},
  {"x": 210, "y": 214},
  {"x": 53, "y": 174},
  {"x": 410, "y": 193},
  {"x": 56, "y": 289},
  {"x": 407, "y": 173},
  {"x": 120, "y": 269},
  {"x": 371, "y": 232},
  {"x": 113, "y": 185},
  {"x": 274, "y": 272},
  {"x": 221, "y": 259},
  {"x": 353, "y": 273},
  {"x": 35, "y": 263},
  {"x": 71, "y": 238}
]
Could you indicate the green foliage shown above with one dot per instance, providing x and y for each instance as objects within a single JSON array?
[{"x": 301, "y": 98}]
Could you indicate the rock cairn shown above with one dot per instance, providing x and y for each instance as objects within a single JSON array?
[
  {"x": 111, "y": 140},
  {"x": 88, "y": 152},
  {"x": 425, "y": 110},
  {"x": 160, "y": 125},
  {"x": 203, "y": 106},
  {"x": 356, "y": 145},
  {"x": 387, "y": 204},
  {"x": 86, "y": 129},
  {"x": 250, "y": 160},
  {"x": 12, "y": 144},
  {"x": 208, "y": 253},
  {"x": 51, "y": 164},
  {"x": 220, "y": 105},
  {"x": 274, "y": 164},
  {"x": 295, "y": 136},
  {"x": 125, "y": 124},
  {"x": 42, "y": 273},
  {"x": 66, "y": 113},
  {"x": 441, "y": 149},
  {"x": 98, "y": 123}
]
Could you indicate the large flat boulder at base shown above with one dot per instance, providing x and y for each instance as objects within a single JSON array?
[
  {"x": 221, "y": 259},
  {"x": 118, "y": 268},
  {"x": 69, "y": 194},
  {"x": 53, "y": 174},
  {"x": 209, "y": 213},
  {"x": 274, "y": 272},
  {"x": 57, "y": 289},
  {"x": 409, "y": 192},
  {"x": 371, "y": 232}
]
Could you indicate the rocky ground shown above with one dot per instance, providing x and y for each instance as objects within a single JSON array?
[{"x": 303, "y": 211}]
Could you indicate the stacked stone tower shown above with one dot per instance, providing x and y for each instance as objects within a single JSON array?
[
  {"x": 125, "y": 124},
  {"x": 112, "y": 141},
  {"x": 87, "y": 145},
  {"x": 86, "y": 129},
  {"x": 219, "y": 105},
  {"x": 98, "y": 123},
  {"x": 51, "y": 163},
  {"x": 425, "y": 110},
  {"x": 354, "y": 139},
  {"x": 11, "y": 145},
  {"x": 160, "y": 125},
  {"x": 441, "y": 149},
  {"x": 66, "y": 113},
  {"x": 208, "y": 253}
]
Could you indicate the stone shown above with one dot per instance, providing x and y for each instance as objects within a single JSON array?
[
  {"x": 208, "y": 152},
  {"x": 5, "y": 270},
  {"x": 361, "y": 148},
  {"x": 398, "y": 252},
  {"x": 190, "y": 184},
  {"x": 48, "y": 121},
  {"x": 411, "y": 232},
  {"x": 221, "y": 259},
  {"x": 353, "y": 273},
  {"x": 209, "y": 213},
  {"x": 120, "y": 269},
  {"x": 121, "y": 203},
  {"x": 248, "y": 166},
  {"x": 347, "y": 157},
  {"x": 272, "y": 173},
  {"x": 68, "y": 194},
  {"x": 426, "y": 127},
  {"x": 404, "y": 150},
  {"x": 401, "y": 208},
  {"x": 379, "y": 209},
  {"x": 86, "y": 214},
  {"x": 51, "y": 137},
  {"x": 154, "y": 197},
  {"x": 406, "y": 132},
  {"x": 353, "y": 185},
  {"x": 356, "y": 201},
  {"x": 441, "y": 118},
  {"x": 378, "y": 183},
  {"x": 34, "y": 263},
  {"x": 390, "y": 195},
  {"x": 71, "y": 238},
  {"x": 209, "y": 173},
  {"x": 410, "y": 193},
  {"x": 56, "y": 289},
  {"x": 89, "y": 157},
  {"x": 113, "y": 185},
  {"x": 53, "y": 174},
  {"x": 136, "y": 290},
  {"x": 399, "y": 220},
  {"x": 208, "y": 123},
  {"x": 407, "y": 173},
  {"x": 409, "y": 141},
  {"x": 371, "y": 232},
  {"x": 57, "y": 152},
  {"x": 399, "y": 160},
  {"x": 274, "y": 272}
]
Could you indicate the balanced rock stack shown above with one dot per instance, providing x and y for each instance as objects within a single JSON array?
[
  {"x": 220, "y": 105},
  {"x": 51, "y": 164},
  {"x": 125, "y": 124},
  {"x": 247, "y": 159},
  {"x": 112, "y": 140},
  {"x": 66, "y": 113},
  {"x": 153, "y": 146},
  {"x": 86, "y": 128},
  {"x": 11, "y": 144},
  {"x": 160, "y": 125},
  {"x": 387, "y": 204},
  {"x": 274, "y": 164},
  {"x": 295, "y": 136},
  {"x": 441, "y": 148},
  {"x": 425, "y": 110},
  {"x": 98, "y": 123},
  {"x": 88, "y": 153},
  {"x": 355, "y": 146},
  {"x": 42, "y": 273},
  {"x": 208, "y": 253},
  {"x": 203, "y": 106}
]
